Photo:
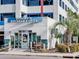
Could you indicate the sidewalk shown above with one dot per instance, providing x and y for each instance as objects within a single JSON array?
[{"x": 41, "y": 54}]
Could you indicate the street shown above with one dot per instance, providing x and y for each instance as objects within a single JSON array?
[{"x": 29, "y": 57}]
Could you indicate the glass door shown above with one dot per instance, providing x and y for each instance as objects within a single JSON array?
[{"x": 24, "y": 42}]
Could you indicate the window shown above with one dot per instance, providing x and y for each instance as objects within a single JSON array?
[
  {"x": 48, "y": 2},
  {"x": 38, "y": 2},
  {"x": 63, "y": 5},
  {"x": 39, "y": 15},
  {"x": 66, "y": 7},
  {"x": 24, "y": 2},
  {"x": 38, "y": 38},
  {"x": 60, "y": 18},
  {"x": 33, "y": 2},
  {"x": 7, "y": 1},
  {"x": 60, "y": 2},
  {"x": 72, "y": 3},
  {"x": 33, "y": 15},
  {"x": 49, "y": 15},
  {"x": 0, "y": 17},
  {"x": 6, "y": 15},
  {"x": 63, "y": 18}
]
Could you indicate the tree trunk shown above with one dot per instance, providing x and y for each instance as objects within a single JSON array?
[{"x": 69, "y": 38}]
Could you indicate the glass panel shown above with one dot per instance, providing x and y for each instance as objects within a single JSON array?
[
  {"x": 49, "y": 15},
  {"x": 16, "y": 40},
  {"x": 60, "y": 18},
  {"x": 0, "y": 17},
  {"x": 7, "y": 1},
  {"x": 38, "y": 15},
  {"x": 34, "y": 37},
  {"x": 25, "y": 2},
  {"x": 44, "y": 41},
  {"x": 38, "y": 38},
  {"x": 33, "y": 2},
  {"x": 66, "y": 7},
  {"x": 8, "y": 15},
  {"x": 48, "y": 2},
  {"x": 38, "y": 2},
  {"x": 12, "y": 41},
  {"x": 60, "y": 2},
  {"x": 63, "y": 5}
]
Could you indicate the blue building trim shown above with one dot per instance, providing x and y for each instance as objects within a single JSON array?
[
  {"x": 11, "y": 19},
  {"x": 1, "y": 22}
]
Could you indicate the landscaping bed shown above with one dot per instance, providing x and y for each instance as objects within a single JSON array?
[{"x": 66, "y": 48}]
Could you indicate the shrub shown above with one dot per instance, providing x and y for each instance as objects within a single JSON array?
[
  {"x": 62, "y": 48},
  {"x": 74, "y": 47}
]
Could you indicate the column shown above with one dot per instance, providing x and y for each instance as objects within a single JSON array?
[
  {"x": 31, "y": 41},
  {"x": 10, "y": 47},
  {"x": 28, "y": 39},
  {"x": 18, "y": 39},
  {"x": 18, "y": 8},
  {"x": 14, "y": 41},
  {"x": 48, "y": 45},
  {"x": 21, "y": 39}
]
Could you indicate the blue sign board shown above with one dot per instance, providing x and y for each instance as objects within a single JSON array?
[{"x": 30, "y": 19}]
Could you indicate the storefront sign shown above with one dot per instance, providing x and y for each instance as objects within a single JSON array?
[{"x": 29, "y": 20}]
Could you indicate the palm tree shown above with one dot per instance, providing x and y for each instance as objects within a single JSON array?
[{"x": 72, "y": 26}]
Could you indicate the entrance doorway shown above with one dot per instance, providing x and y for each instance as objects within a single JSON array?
[
  {"x": 20, "y": 40},
  {"x": 25, "y": 40}
]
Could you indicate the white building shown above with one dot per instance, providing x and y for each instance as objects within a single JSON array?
[
  {"x": 41, "y": 28},
  {"x": 55, "y": 9}
]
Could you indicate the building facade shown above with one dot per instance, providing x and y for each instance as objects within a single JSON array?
[
  {"x": 55, "y": 9},
  {"x": 21, "y": 33}
]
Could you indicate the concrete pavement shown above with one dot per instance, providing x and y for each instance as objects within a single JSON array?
[
  {"x": 24, "y": 53},
  {"x": 40, "y": 54}
]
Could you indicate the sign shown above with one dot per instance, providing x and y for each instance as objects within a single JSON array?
[
  {"x": 26, "y": 19},
  {"x": 75, "y": 39},
  {"x": 29, "y": 20}
]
